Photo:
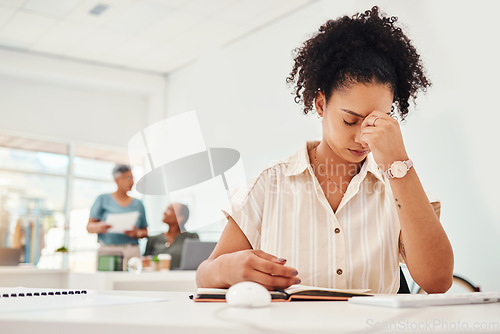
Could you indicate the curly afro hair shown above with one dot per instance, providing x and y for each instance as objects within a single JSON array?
[{"x": 367, "y": 47}]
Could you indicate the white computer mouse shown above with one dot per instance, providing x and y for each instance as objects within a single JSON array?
[{"x": 248, "y": 294}]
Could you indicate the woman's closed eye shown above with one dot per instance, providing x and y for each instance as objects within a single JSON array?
[{"x": 350, "y": 124}]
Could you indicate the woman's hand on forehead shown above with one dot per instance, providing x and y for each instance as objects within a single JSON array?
[{"x": 382, "y": 134}]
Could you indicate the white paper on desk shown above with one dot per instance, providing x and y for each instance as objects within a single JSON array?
[
  {"x": 121, "y": 222},
  {"x": 42, "y": 303}
]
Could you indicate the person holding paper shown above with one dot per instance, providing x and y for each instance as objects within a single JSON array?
[
  {"x": 118, "y": 219},
  {"x": 341, "y": 212},
  {"x": 171, "y": 242}
]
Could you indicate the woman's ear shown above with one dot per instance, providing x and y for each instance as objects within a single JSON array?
[{"x": 320, "y": 103}]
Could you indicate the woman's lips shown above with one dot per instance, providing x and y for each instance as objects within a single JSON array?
[{"x": 358, "y": 153}]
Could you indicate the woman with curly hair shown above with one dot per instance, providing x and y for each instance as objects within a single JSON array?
[{"x": 343, "y": 211}]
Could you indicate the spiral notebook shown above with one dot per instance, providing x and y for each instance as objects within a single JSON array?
[
  {"x": 20, "y": 292},
  {"x": 20, "y": 299}
]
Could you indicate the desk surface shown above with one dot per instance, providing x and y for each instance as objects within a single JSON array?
[
  {"x": 174, "y": 280},
  {"x": 177, "y": 313},
  {"x": 33, "y": 277},
  {"x": 170, "y": 280},
  {"x": 29, "y": 270}
]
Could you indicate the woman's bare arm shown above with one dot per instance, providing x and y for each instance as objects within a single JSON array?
[
  {"x": 97, "y": 226},
  {"x": 233, "y": 260},
  {"x": 423, "y": 242}
]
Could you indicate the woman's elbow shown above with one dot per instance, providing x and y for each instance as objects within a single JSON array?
[
  {"x": 440, "y": 277},
  {"x": 438, "y": 284},
  {"x": 200, "y": 274}
]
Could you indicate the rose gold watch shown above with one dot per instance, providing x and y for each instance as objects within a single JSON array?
[{"x": 399, "y": 169}]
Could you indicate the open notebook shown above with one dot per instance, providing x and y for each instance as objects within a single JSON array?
[{"x": 295, "y": 292}]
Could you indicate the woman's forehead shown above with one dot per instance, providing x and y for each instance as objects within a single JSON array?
[{"x": 358, "y": 96}]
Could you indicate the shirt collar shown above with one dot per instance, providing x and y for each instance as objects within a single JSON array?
[
  {"x": 370, "y": 165},
  {"x": 299, "y": 162}
]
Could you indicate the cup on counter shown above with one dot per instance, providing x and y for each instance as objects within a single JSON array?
[
  {"x": 164, "y": 261},
  {"x": 147, "y": 263}
]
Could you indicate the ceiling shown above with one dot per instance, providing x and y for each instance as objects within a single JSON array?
[
  {"x": 89, "y": 151},
  {"x": 148, "y": 35}
]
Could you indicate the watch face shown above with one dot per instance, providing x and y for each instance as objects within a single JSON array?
[{"x": 399, "y": 169}]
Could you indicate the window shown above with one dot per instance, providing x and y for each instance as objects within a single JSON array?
[
  {"x": 46, "y": 191},
  {"x": 32, "y": 196}
]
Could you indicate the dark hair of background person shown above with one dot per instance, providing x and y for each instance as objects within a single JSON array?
[
  {"x": 120, "y": 169},
  {"x": 364, "y": 48}
]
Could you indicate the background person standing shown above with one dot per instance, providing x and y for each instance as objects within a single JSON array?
[{"x": 126, "y": 243}]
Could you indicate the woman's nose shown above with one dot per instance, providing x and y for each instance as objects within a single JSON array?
[{"x": 357, "y": 136}]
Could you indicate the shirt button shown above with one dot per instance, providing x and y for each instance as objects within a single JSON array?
[
  {"x": 339, "y": 271},
  {"x": 337, "y": 230}
]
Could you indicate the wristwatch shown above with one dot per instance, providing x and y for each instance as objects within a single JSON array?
[{"x": 399, "y": 169}]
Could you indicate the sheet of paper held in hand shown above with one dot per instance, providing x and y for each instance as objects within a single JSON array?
[{"x": 121, "y": 222}]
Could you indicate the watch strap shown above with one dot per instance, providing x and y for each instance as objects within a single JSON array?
[{"x": 409, "y": 163}]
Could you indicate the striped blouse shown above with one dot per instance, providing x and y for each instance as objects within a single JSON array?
[{"x": 283, "y": 211}]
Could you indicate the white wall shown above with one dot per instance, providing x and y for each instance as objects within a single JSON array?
[
  {"x": 73, "y": 114},
  {"x": 242, "y": 102},
  {"x": 74, "y": 101}
]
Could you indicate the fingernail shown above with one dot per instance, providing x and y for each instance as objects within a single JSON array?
[
  {"x": 294, "y": 273},
  {"x": 297, "y": 281},
  {"x": 281, "y": 259}
]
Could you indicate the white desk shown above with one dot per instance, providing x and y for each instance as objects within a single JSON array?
[
  {"x": 31, "y": 277},
  {"x": 174, "y": 280},
  {"x": 178, "y": 314}
]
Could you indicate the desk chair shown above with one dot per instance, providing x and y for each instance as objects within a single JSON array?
[
  {"x": 403, "y": 285},
  {"x": 195, "y": 252}
]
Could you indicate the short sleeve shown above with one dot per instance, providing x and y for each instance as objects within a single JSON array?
[
  {"x": 97, "y": 208},
  {"x": 247, "y": 206},
  {"x": 142, "y": 221}
]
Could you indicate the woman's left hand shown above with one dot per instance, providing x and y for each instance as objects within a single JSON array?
[
  {"x": 131, "y": 233},
  {"x": 382, "y": 135}
]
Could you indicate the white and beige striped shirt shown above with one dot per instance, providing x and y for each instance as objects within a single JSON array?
[{"x": 283, "y": 211}]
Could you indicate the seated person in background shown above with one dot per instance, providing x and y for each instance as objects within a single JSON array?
[
  {"x": 171, "y": 242},
  {"x": 118, "y": 202}
]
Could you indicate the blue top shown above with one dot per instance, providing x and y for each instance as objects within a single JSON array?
[{"x": 106, "y": 204}]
